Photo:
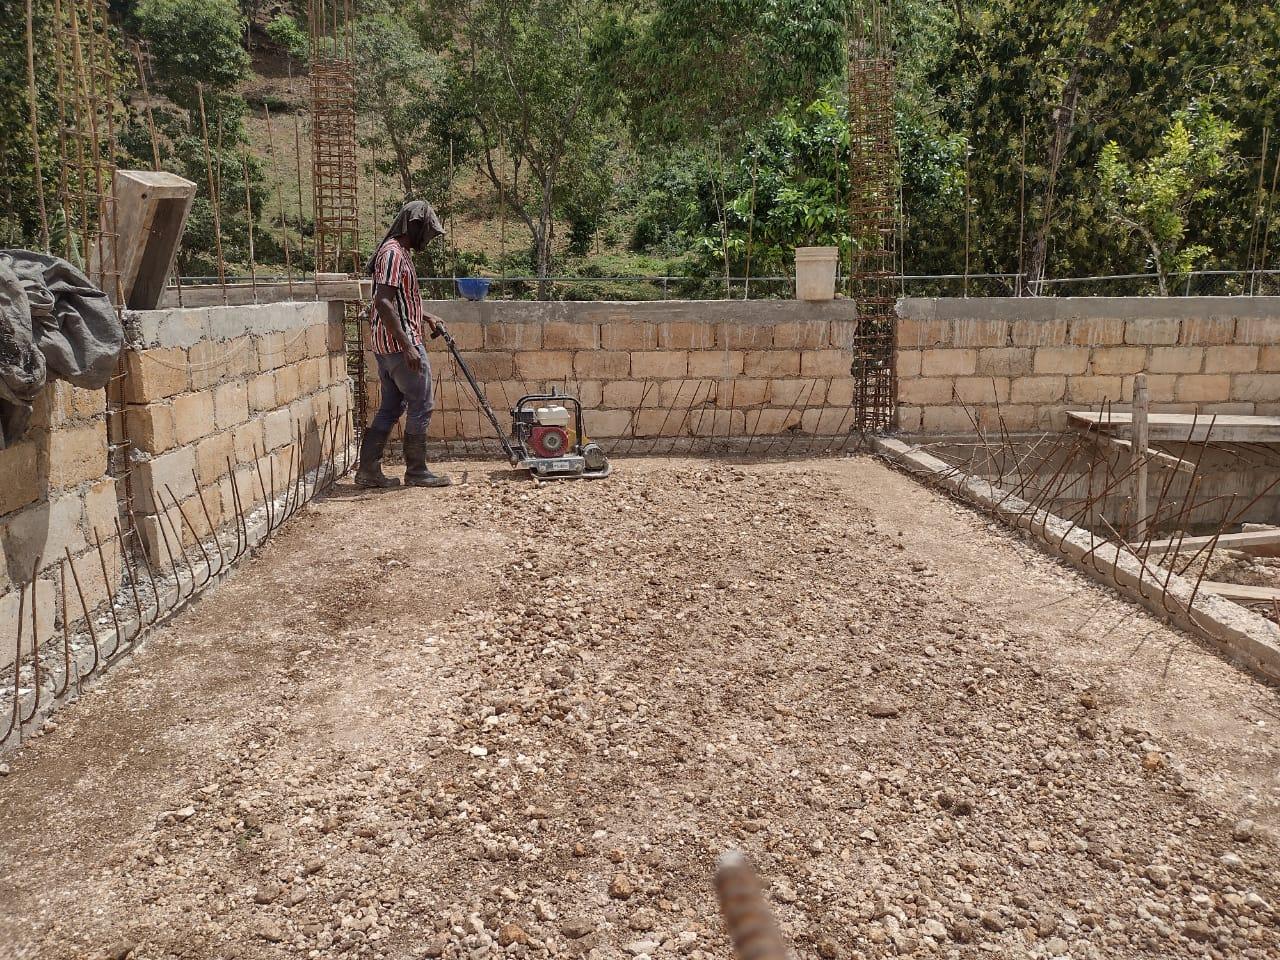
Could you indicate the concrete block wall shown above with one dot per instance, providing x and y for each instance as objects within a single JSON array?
[
  {"x": 213, "y": 391},
  {"x": 1032, "y": 359},
  {"x": 54, "y": 497},
  {"x": 737, "y": 368}
]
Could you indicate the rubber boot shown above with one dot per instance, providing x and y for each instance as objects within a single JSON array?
[
  {"x": 370, "y": 472},
  {"x": 416, "y": 473}
]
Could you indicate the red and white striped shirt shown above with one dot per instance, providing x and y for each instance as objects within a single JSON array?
[{"x": 393, "y": 267}]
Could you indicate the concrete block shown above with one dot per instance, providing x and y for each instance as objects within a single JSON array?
[
  {"x": 295, "y": 346},
  {"x": 154, "y": 374},
  {"x": 230, "y": 405},
  {"x": 317, "y": 341},
  {"x": 270, "y": 348},
  {"x": 717, "y": 423},
  {"x": 1257, "y": 387},
  {"x": 716, "y": 363},
  {"x": 311, "y": 373},
  {"x": 801, "y": 335},
  {"x": 772, "y": 363},
  {"x": 741, "y": 392},
  {"x": 536, "y": 365},
  {"x": 1261, "y": 330},
  {"x": 101, "y": 507},
  {"x": 337, "y": 369},
  {"x": 1095, "y": 389},
  {"x": 468, "y": 334},
  {"x": 1151, "y": 330},
  {"x": 210, "y": 364},
  {"x": 46, "y": 594},
  {"x": 1019, "y": 417},
  {"x": 824, "y": 363},
  {"x": 843, "y": 333},
  {"x": 772, "y": 422},
  {"x": 262, "y": 392},
  {"x": 623, "y": 333},
  {"x": 908, "y": 363},
  {"x": 87, "y": 404},
  {"x": 927, "y": 391},
  {"x": 1121, "y": 360},
  {"x": 610, "y": 364},
  {"x": 1039, "y": 333},
  {"x": 1231, "y": 359},
  {"x": 840, "y": 391},
  {"x": 77, "y": 454},
  {"x": 948, "y": 363},
  {"x": 277, "y": 428},
  {"x": 1176, "y": 359},
  {"x": 1269, "y": 360},
  {"x": 684, "y": 392},
  {"x": 982, "y": 389},
  {"x": 1038, "y": 389},
  {"x": 826, "y": 421},
  {"x": 951, "y": 419},
  {"x": 288, "y": 384},
  {"x": 1060, "y": 360},
  {"x": 796, "y": 393},
  {"x": 685, "y": 335},
  {"x": 657, "y": 364},
  {"x": 590, "y": 392},
  {"x": 603, "y": 424},
  {"x": 211, "y": 457},
  {"x": 980, "y": 333},
  {"x": 1097, "y": 332},
  {"x": 1207, "y": 331},
  {"x": 1004, "y": 362},
  {"x": 192, "y": 417},
  {"x": 909, "y": 419},
  {"x": 744, "y": 336},
  {"x": 173, "y": 469},
  {"x": 39, "y": 534},
  {"x": 1160, "y": 387},
  {"x": 513, "y": 336},
  {"x": 654, "y": 423},
  {"x": 558, "y": 335},
  {"x": 24, "y": 479},
  {"x": 922, "y": 334}
]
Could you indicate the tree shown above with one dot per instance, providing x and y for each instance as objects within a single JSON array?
[
  {"x": 193, "y": 43},
  {"x": 1152, "y": 198},
  {"x": 523, "y": 75}
]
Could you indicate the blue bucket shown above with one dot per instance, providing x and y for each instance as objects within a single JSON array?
[{"x": 473, "y": 288}]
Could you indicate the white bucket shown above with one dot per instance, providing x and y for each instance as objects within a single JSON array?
[{"x": 816, "y": 273}]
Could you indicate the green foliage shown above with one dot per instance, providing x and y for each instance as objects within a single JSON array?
[
  {"x": 193, "y": 42},
  {"x": 1153, "y": 198},
  {"x": 285, "y": 32}
]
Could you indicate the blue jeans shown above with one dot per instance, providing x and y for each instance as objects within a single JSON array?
[{"x": 403, "y": 389}]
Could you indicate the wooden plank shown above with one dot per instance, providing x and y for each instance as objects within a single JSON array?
[
  {"x": 1247, "y": 542},
  {"x": 1176, "y": 427},
  {"x": 1240, "y": 592}
]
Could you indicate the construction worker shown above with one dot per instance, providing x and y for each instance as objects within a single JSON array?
[{"x": 397, "y": 334}]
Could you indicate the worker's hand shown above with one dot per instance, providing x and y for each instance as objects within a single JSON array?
[
  {"x": 413, "y": 358},
  {"x": 435, "y": 325}
]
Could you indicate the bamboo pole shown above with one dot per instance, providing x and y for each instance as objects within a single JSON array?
[{"x": 35, "y": 127}]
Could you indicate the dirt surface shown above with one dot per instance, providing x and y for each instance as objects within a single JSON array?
[{"x": 524, "y": 720}]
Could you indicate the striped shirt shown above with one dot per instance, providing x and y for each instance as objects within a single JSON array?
[{"x": 393, "y": 267}]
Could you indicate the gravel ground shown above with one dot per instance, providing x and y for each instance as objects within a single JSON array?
[{"x": 522, "y": 720}]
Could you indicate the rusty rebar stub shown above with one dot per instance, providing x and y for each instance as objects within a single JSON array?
[{"x": 747, "y": 916}]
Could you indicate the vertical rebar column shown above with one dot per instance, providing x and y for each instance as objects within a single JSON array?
[
  {"x": 873, "y": 217},
  {"x": 334, "y": 170}
]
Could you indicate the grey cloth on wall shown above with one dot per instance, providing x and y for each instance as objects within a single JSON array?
[{"x": 54, "y": 324}]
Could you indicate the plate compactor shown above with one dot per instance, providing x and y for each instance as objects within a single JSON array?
[{"x": 547, "y": 436}]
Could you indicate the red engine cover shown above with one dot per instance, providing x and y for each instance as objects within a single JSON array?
[{"x": 549, "y": 441}]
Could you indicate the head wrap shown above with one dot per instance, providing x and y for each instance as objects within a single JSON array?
[{"x": 418, "y": 222}]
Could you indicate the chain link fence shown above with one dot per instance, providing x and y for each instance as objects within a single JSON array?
[{"x": 1202, "y": 283}]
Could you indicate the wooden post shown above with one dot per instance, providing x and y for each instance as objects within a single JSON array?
[{"x": 1141, "y": 402}]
